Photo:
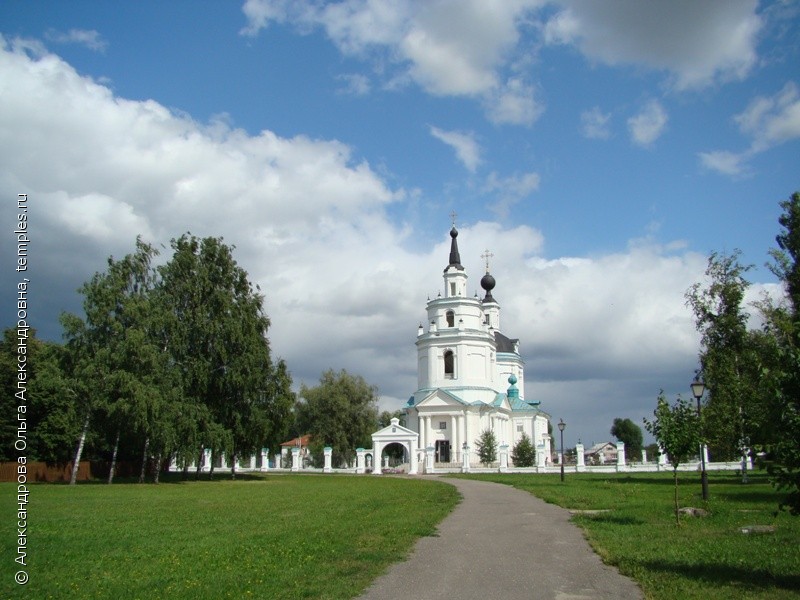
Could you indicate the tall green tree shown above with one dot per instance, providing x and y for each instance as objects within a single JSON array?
[
  {"x": 781, "y": 370},
  {"x": 486, "y": 444},
  {"x": 676, "y": 428},
  {"x": 630, "y": 434},
  {"x": 727, "y": 358},
  {"x": 115, "y": 360},
  {"x": 340, "y": 412},
  {"x": 217, "y": 336}
]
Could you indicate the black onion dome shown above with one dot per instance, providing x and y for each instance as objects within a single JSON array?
[{"x": 487, "y": 283}]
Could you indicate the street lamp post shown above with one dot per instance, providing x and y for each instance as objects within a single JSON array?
[
  {"x": 561, "y": 426},
  {"x": 698, "y": 388}
]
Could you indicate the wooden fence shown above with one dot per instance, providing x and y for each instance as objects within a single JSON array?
[{"x": 87, "y": 471}]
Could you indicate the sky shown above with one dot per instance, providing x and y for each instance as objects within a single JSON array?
[{"x": 600, "y": 151}]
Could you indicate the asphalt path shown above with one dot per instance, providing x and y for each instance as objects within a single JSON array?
[{"x": 505, "y": 544}]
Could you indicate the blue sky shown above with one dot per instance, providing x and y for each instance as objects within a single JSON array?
[{"x": 600, "y": 150}]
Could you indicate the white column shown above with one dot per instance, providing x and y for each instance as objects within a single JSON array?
[
  {"x": 644, "y": 456},
  {"x": 413, "y": 458},
  {"x": 429, "y": 458},
  {"x": 328, "y": 452},
  {"x": 223, "y": 461},
  {"x": 465, "y": 460},
  {"x": 376, "y": 458},
  {"x": 206, "y": 459},
  {"x": 581, "y": 466},
  {"x": 295, "y": 459},
  {"x": 360, "y": 461},
  {"x": 504, "y": 458},
  {"x": 541, "y": 456},
  {"x": 453, "y": 436},
  {"x": 265, "y": 459},
  {"x": 620, "y": 456}
]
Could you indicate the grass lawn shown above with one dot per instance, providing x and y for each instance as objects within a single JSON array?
[
  {"x": 705, "y": 557},
  {"x": 276, "y": 536}
]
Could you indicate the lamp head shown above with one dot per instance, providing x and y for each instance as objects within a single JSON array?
[{"x": 698, "y": 388}]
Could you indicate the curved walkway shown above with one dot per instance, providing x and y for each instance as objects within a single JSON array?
[{"x": 502, "y": 543}]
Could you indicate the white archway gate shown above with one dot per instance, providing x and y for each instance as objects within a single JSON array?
[{"x": 394, "y": 433}]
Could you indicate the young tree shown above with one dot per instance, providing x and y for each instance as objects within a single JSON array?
[
  {"x": 341, "y": 412},
  {"x": 676, "y": 428},
  {"x": 487, "y": 447},
  {"x": 523, "y": 454},
  {"x": 630, "y": 434},
  {"x": 727, "y": 359}
]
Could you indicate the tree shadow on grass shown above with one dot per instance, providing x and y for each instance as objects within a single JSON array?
[{"x": 756, "y": 580}]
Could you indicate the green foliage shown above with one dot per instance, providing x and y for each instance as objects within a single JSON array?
[
  {"x": 523, "y": 454},
  {"x": 676, "y": 428},
  {"x": 341, "y": 412},
  {"x": 486, "y": 445},
  {"x": 166, "y": 361},
  {"x": 727, "y": 358},
  {"x": 781, "y": 374},
  {"x": 284, "y": 536},
  {"x": 630, "y": 434},
  {"x": 50, "y": 404},
  {"x": 711, "y": 560}
]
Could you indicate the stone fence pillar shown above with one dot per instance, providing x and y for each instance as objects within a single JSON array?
[
  {"x": 360, "y": 461},
  {"x": 465, "y": 459},
  {"x": 579, "y": 457},
  {"x": 328, "y": 452},
  {"x": 504, "y": 458},
  {"x": 206, "y": 460},
  {"x": 264, "y": 459},
  {"x": 541, "y": 457},
  {"x": 296, "y": 459},
  {"x": 662, "y": 458},
  {"x": 620, "y": 456},
  {"x": 429, "y": 459}
]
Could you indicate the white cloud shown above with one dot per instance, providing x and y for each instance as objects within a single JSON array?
[
  {"x": 769, "y": 121},
  {"x": 648, "y": 125},
  {"x": 344, "y": 286},
  {"x": 447, "y": 47},
  {"x": 467, "y": 149},
  {"x": 89, "y": 38},
  {"x": 510, "y": 190},
  {"x": 595, "y": 124},
  {"x": 513, "y": 103},
  {"x": 726, "y": 163},
  {"x": 354, "y": 84},
  {"x": 772, "y": 120},
  {"x": 698, "y": 43}
]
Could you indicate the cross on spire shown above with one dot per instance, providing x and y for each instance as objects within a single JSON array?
[
  {"x": 486, "y": 256},
  {"x": 453, "y": 216}
]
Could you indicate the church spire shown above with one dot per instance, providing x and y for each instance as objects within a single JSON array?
[{"x": 455, "y": 257}]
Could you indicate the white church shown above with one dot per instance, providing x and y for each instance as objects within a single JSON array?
[{"x": 471, "y": 377}]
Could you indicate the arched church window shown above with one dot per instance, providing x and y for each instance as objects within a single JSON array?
[
  {"x": 451, "y": 318},
  {"x": 449, "y": 365}
]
